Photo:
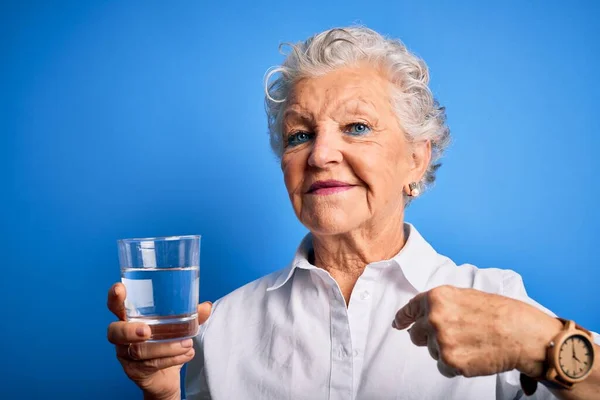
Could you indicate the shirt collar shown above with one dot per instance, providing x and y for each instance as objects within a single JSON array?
[
  {"x": 417, "y": 260},
  {"x": 300, "y": 261}
]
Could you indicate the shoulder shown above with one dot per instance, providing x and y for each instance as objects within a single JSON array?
[
  {"x": 492, "y": 280},
  {"x": 252, "y": 291},
  {"x": 246, "y": 303},
  {"x": 236, "y": 319},
  {"x": 426, "y": 268},
  {"x": 505, "y": 282}
]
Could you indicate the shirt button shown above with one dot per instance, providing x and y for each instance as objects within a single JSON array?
[
  {"x": 344, "y": 353},
  {"x": 364, "y": 295},
  {"x": 355, "y": 353}
]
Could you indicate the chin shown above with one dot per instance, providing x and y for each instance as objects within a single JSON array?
[{"x": 330, "y": 222}]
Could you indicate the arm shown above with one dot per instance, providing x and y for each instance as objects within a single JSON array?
[
  {"x": 196, "y": 383},
  {"x": 588, "y": 389},
  {"x": 175, "y": 396},
  {"x": 473, "y": 333},
  {"x": 533, "y": 363},
  {"x": 543, "y": 328}
]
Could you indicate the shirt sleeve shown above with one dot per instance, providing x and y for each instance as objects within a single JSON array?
[
  {"x": 196, "y": 383},
  {"x": 508, "y": 385}
]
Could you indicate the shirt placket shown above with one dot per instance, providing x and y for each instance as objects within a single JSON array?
[
  {"x": 359, "y": 315},
  {"x": 342, "y": 379}
]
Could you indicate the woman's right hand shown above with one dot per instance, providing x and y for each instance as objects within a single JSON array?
[{"x": 154, "y": 367}]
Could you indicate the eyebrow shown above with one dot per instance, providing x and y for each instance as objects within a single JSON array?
[
  {"x": 357, "y": 106},
  {"x": 299, "y": 114},
  {"x": 353, "y": 106}
]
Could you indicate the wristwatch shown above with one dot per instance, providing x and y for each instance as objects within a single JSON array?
[{"x": 569, "y": 359}]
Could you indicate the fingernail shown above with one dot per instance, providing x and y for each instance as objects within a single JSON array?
[
  {"x": 142, "y": 331},
  {"x": 394, "y": 324},
  {"x": 408, "y": 330},
  {"x": 115, "y": 291},
  {"x": 187, "y": 343}
]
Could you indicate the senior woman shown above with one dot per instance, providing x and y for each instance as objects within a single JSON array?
[{"x": 359, "y": 136}]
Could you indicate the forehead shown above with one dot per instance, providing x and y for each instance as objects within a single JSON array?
[{"x": 340, "y": 89}]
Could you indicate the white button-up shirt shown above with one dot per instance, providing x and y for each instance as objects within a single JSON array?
[{"x": 289, "y": 335}]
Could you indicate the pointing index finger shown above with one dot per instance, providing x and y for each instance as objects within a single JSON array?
[{"x": 414, "y": 309}]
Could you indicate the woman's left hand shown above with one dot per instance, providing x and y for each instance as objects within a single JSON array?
[{"x": 473, "y": 333}]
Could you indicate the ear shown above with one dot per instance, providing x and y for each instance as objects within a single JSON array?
[{"x": 420, "y": 159}]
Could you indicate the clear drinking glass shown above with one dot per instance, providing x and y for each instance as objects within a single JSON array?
[{"x": 161, "y": 276}]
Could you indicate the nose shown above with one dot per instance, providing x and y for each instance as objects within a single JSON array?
[{"x": 325, "y": 151}]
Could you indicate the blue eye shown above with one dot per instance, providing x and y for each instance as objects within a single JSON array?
[
  {"x": 298, "y": 138},
  {"x": 358, "y": 129}
]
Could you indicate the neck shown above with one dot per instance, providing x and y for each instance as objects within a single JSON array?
[{"x": 346, "y": 255}]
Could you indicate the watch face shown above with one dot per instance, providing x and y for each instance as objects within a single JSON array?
[{"x": 576, "y": 356}]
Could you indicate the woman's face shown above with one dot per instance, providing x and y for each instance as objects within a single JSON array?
[{"x": 346, "y": 160}]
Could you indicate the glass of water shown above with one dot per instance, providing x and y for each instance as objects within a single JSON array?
[{"x": 161, "y": 276}]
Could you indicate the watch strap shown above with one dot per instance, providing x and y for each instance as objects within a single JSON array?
[
  {"x": 577, "y": 326},
  {"x": 528, "y": 384}
]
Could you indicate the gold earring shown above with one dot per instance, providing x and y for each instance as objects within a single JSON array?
[{"x": 413, "y": 187}]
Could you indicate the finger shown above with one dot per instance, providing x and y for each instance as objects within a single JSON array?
[
  {"x": 116, "y": 300},
  {"x": 420, "y": 331},
  {"x": 414, "y": 309},
  {"x": 147, "y": 351},
  {"x": 446, "y": 370},
  {"x": 156, "y": 364},
  {"x": 128, "y": 332},
  {"x": 204, "y": 310},
  {"x": 433, "y": 347}
]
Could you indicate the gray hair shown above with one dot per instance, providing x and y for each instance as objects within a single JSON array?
[{"x": 418, "y": 112}]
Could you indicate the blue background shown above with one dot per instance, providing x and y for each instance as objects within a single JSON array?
[{"x": 123, "y": 119}]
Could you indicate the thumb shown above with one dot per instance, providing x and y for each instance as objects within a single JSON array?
[{"x": 204, "y": 310}]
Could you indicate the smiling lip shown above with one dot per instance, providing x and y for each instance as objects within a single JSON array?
[{"x": 329, "y": 187}]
